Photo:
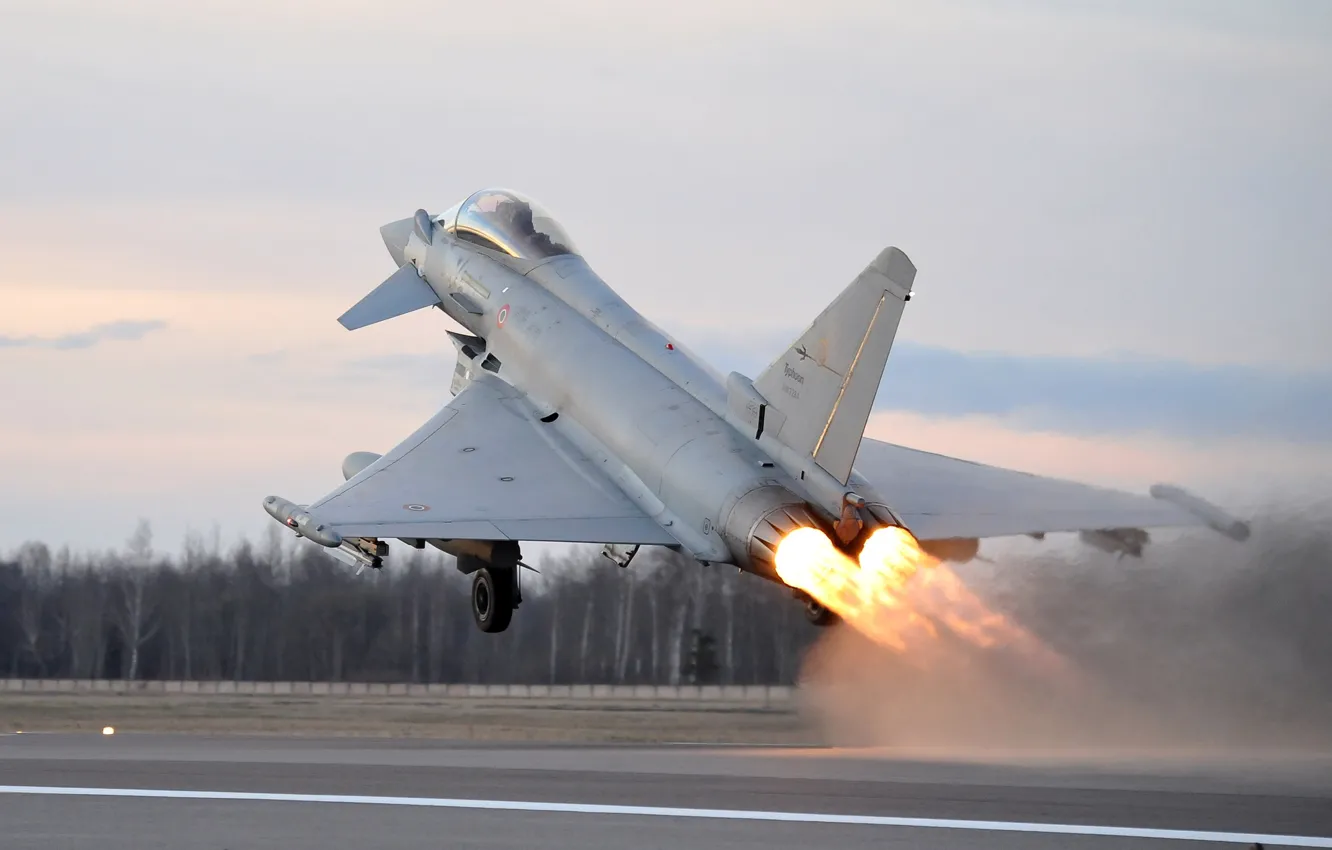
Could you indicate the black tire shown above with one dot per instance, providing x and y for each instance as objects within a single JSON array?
[
  {"x": 492, "y": 599},
  {"x": 819, "y": 615}
]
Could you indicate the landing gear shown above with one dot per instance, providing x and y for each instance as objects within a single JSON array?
[
  {"x": 816, "y": 612},
  {"x": 494, "y": 596},
  {"x": 495, "y": 569}
]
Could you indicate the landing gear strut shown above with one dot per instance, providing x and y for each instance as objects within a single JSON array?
[{"x": 494, "y": 596}]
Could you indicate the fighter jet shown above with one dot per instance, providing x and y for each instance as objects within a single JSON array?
[{"x": 575, "y": 419}]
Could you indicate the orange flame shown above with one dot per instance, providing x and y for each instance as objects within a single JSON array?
[{"x": 897, "y": 595}]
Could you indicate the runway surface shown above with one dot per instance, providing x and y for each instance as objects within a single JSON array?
[{"x": 143, "y": 791}]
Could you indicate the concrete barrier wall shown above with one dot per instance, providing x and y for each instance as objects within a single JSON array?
[{"x": 746, "y": 694}]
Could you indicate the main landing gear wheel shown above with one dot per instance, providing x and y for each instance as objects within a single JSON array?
[
  {"x": 818, "y": 614},
  {"x": 493, "y": 598}
]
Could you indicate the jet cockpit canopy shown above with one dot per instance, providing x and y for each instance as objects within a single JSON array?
[{"x": 505, "y": 221}]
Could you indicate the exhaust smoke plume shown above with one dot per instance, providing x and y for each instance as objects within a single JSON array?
[{"x": 1203, "y": 643}]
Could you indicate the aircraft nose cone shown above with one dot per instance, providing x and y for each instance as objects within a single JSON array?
[{"x": 396, "y": 234}]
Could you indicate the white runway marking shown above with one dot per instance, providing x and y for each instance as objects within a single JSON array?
[{"x": 672, "y": 812}]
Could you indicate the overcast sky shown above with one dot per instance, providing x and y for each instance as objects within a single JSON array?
[{"x": 1121, "y": 213}]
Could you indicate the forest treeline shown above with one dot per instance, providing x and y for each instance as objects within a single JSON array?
[
  {"x": 282, "y": 610},
  {"x": 1200, "y": 621}
]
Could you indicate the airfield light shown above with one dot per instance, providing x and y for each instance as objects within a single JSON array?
[
  {"x": 108, "y": 730},
  {"x": 897, "y": 595}
]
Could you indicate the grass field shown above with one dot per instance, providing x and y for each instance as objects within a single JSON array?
[{"x": 418, "y": 717}]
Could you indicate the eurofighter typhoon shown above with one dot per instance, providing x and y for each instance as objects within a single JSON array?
[{"x": 575, "y": 419}]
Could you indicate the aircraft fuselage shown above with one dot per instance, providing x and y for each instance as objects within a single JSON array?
[{"x": 654, "y": 417}]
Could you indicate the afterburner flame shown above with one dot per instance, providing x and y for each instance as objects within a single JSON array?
[{"x": 897, "y": 595}]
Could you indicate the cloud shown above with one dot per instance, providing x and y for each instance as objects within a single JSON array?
[
  {"x": 1090, "y": 396},
  {"x": 125, "y": 330},
  {"x": 1084, "y": 395},
  {"x": 1232, "y": 471}
]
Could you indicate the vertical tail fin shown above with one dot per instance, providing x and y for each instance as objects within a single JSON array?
[{"x": 825, "y": 383}]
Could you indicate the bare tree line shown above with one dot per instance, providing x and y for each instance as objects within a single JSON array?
[{"x": 282, "y": 610}]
